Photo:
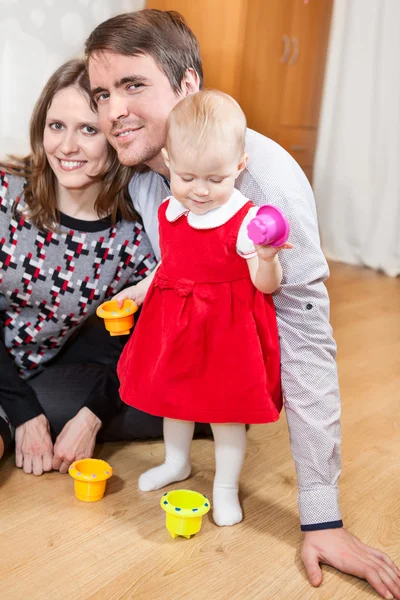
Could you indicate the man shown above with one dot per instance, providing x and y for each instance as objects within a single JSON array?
[{"x": 140, "y": 65}]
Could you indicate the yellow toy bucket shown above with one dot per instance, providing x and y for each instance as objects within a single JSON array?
[
  {"x": 184, "y": 512},
  {"x": 90, "y": 476},
  {"x": 118, "y": 321}
]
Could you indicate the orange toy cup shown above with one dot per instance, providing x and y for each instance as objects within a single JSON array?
[
  {"x": 118, "y": 321},
  {"x": 90, "y": 476}
]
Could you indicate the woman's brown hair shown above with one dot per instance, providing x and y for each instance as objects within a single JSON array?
[{"x": 40, "y": 191}]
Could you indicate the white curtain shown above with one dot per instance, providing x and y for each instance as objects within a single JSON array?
[
  {"x": 357, "y": 168},
  {"x": 36, "y": 37}
]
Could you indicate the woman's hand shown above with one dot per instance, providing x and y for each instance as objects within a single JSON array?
[
  {"x": 77, "y": 440},
  {"x": 33, "y": 446}
]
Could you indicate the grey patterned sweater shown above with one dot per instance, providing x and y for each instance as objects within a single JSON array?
[{"x": 51, "y": 282}]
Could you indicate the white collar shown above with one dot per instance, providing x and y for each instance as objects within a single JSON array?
[{"x": 214, "y": 218}]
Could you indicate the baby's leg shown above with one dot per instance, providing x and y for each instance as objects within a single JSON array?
[
  {"x": 230, "y": 450},
  {"x": 178, "y": 437}
]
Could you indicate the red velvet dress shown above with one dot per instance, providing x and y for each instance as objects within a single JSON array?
[{"x": 206, "y": 345}]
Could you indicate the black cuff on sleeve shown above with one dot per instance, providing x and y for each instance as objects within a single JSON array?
[
  {"x": 104, "y": 400},
  {"x": 17, "y": 398},
  {"x": 5, "y": 433},
  {"x": 320, "y": 526},
  {"x": 21, "y": 409}
]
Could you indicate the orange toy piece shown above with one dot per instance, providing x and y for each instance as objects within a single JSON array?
[
  {"x": 90, "y": 476},
  {"x": 118, "y": 321}
]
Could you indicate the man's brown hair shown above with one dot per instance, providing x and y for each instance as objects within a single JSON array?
[{"x": 163, "y": 35}]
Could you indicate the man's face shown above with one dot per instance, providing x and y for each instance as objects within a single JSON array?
[{"x": 134, "y": 99}]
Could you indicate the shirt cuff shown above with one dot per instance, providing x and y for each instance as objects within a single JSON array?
[
  {"x": 319, "y": 508},
  {"x": 320, "y": 526}
]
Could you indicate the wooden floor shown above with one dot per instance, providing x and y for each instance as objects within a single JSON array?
[{"x": 53, "y": 547}]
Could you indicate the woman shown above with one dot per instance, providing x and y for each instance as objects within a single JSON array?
[{"x": 69, "y": 239}]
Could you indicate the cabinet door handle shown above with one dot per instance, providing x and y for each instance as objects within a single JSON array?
[
  {"x": 286, "y": 48},
  {"x": 296, "y": 52},
  {"x": 296, "y": 148}
]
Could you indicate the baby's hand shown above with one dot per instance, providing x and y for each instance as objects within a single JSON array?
[
  {"x": 136, "y": 293},
  {"x": 268, "y": 253}
]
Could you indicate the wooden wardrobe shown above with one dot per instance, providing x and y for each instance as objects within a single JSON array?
[{"x": 270, "y": 55}]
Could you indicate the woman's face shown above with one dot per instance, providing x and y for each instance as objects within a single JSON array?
[{"x": 74, "y": 145}]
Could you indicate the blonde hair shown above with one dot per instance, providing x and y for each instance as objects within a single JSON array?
[
  {"x": 206, "y": 118},
  {"x": 40, "y": 191}
]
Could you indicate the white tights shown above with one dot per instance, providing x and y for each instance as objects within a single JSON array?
[{"x": 230, "y": 449}]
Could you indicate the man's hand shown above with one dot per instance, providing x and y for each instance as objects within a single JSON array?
[
  {"x": 77, "y": 440},
  {"x": 33, "y": 446},
  {"x": 343, "y": 551}
]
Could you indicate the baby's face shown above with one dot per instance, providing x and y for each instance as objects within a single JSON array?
[{"x": 204, "y": 182}]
